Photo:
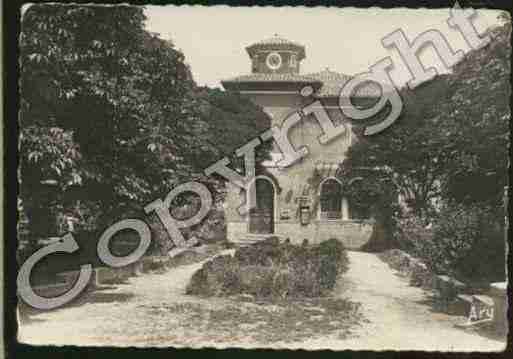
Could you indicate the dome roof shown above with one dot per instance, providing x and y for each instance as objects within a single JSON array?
[{"x": 276, "y": 43}]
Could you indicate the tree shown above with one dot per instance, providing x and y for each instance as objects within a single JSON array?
[
  {"x": 120, "y": 96},
  {"x": 452, "y": 137},
  {"x": 233, "y": 121},
  {"x": 409, "y": 156},
  {"x": 110, "y": 118},
  {"x": 476, "y": 119}
]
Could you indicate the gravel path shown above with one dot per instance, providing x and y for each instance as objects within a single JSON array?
[
  {"x": 399, "y": 316},
  {"x": 146, "y": 312},
  {"x": 122, "y": 315}
]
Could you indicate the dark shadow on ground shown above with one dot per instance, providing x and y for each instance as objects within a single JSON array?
[
  {"x": 29, "y": 315},
  {"x": 101, "y": 297}
]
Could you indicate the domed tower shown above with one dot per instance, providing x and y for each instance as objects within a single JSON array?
[
  {"x": 276, "y": 55},
  {"x": 275, "y": 66}
]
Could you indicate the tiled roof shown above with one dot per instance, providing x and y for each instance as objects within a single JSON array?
[
  {"x": 327, "y": 83},
  {"x": 277, "y": 42},
  {"x": 330, "y": 76},
  {"x": 273, "y": 77},
  {"x": 333, "y": 82}
]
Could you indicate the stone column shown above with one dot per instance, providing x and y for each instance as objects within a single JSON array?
[{"x": 345, "y": 209}]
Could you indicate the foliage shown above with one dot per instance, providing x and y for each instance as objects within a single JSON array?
[
  {"x": 451, "y": 138},
  {"x": 407, "y": 158},
  {"x": 447, "y": 159},
  {"x": 271, "y": 269},
  {"x": 413, "y": 235},
  {"x": 476, "y": 122},
  {"x": 472, "y": 239},
  {"x": 49, "y": 152},
  {"x": 229, "y": 113},
  {"x": 112, "y": 118},
  {"x": 466, "y": 241},
  {"x": 101, "y": 88}
]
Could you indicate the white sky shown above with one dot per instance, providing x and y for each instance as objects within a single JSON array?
[{"x": 346, "y": 40}]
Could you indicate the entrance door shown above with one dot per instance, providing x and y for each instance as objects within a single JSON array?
[{"x": 261, "y": 218}]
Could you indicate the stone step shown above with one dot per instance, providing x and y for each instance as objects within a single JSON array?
[
  {"x": 246, "y": 241},
  {"x": 250, "y": 239}
]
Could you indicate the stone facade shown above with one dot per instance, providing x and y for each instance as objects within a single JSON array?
[{"x": 300, "y": 209}]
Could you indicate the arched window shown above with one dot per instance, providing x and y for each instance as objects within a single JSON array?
[
  {"x": 293, "y": 61},
  {"x": 331, "y": 199}
]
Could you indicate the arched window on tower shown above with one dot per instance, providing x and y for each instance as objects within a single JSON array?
[
  {"x": 254, "y": 63},
  {"x": 293, "y": 61},
  {"x": 331, "y": 199}
]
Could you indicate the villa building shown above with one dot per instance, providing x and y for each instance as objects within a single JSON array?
[{"x": 305, "y": 200}]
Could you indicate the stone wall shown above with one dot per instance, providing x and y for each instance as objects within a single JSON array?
[{"x": 353, "y": 234}]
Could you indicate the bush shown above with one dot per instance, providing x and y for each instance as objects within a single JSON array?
[
  {"x": 414, "y": 237},
  {"x": 272, "y": 269},
  {"x": 217, "y": 277},
  {"x": 465, "y": 241},
  {"x": 332, "y": 261}
]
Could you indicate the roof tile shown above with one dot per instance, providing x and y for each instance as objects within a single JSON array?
[
  {"x": 273, "y": 77},
  {"x": 333, "y": 82}
]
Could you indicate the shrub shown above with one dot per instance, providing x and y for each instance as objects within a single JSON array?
[
  {"x": 217, "y": 277},
  {"x": 472, "y": 239},
  {"x": 413, "y": 236},
  {"x": 332, "y": 260},
  {"x": 272, "y": 269},
  {"x": 465, "y": 241}
]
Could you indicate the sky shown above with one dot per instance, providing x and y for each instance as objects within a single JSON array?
[{"x": 347, "y": 40}]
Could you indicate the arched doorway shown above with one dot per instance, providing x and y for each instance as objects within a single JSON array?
[
  {"x": 261, "y": 217},
  {"x": 331, "y": 199}
]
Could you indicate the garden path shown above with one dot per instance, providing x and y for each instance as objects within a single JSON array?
[
  {"x": 152, "y": 310},
  {"x": 399, "y": 316}
]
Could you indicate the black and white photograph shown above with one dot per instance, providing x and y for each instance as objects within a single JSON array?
[{"x": 317, "y": 178}]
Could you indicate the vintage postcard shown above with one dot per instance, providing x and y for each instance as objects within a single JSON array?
[{"x": 263, "y": 177}]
